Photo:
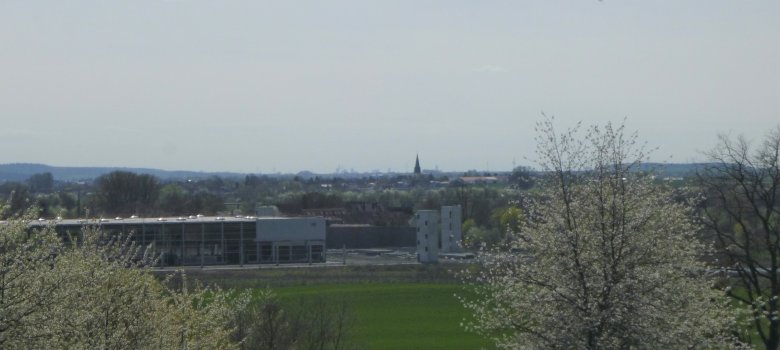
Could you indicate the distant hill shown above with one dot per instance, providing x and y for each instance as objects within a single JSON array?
[
  {"x": 22, "y": 171},
  {"x": 674, "y": 169}
]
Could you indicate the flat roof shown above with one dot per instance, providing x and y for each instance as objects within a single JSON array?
[{"x": 161, "y": 220}]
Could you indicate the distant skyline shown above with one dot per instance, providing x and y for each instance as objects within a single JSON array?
[{"x": 264, "y": 87}]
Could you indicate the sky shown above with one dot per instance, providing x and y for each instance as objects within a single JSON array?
[{"x": 266, "y": 87}]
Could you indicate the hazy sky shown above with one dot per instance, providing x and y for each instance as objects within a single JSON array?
[{"x": 255, "y": 86}]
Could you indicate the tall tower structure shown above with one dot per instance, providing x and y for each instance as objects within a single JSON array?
[
  {"x": 427, "y": 222},
  {"x": 417, "y": 169},
  {"x": 451, "y": 234}
]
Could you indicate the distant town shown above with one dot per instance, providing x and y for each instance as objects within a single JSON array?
[{"x": 348, "y": 197}]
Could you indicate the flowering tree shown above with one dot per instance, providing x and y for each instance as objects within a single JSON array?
[
  {"x": 95, "y": 295},
  {"x": 109, "y": 300},
  {"x": 26, "y": 281},
  {"x": 742, "y": 209},
  {"x": 606, "y": 260}
]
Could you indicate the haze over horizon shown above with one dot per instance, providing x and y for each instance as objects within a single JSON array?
[{"x": 261, "y": 87}]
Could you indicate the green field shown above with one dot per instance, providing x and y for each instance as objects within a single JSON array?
[
  {"x": 395, "y": 307},
  {"x": 399, "y": 315}
]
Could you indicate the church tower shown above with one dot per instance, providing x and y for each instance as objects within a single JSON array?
[{"x": 417, "y": 170}]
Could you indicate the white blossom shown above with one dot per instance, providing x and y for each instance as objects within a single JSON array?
[
  {"x": 95, "y": 295},
  {"x": 609, "y": 260}
]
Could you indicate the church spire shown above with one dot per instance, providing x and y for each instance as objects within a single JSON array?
[{"x": 417, "y": 165}]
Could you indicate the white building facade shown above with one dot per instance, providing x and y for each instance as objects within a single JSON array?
[
  {"x": 427, "y": 222},
  {"x": 451, "y": 233}
]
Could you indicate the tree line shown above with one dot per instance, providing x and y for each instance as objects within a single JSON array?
[{"x": 125, "y": 194}]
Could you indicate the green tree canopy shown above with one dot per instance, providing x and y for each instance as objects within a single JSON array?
[{"x": 124, "y": 193}]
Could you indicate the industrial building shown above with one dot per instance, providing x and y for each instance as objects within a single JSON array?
[
  {"x": 427, "y": 222},
  {"x": 438, "y": 232},
  {"x": 358, "y": 236},
  {"x": 214, "y": 240},
  {"x": 451, "y": 235}
]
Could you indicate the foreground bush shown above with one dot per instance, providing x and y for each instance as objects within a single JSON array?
[{"x": 99, "y": 295}]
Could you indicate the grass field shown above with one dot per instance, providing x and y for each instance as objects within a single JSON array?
[
  {"x": 399, "y": 315},
  {"x": 396, "y": 307}
]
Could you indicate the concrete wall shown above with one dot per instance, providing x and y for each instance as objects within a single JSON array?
[
  {"x": 451, "y": 233},
  {"x": 364, "y": 236},
  {"x": 427, "y": 223},
  {"x": 290, "y": 229}
]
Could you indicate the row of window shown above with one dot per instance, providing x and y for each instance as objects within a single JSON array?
[{"x": 206, "y": 244}]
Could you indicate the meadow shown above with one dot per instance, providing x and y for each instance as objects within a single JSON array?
[
  {"x": 399, "y": 315},
  {"x": 401, "y": 307}
]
